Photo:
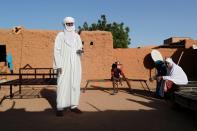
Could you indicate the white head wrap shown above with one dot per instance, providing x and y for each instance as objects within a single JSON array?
[
  {"x": 170, "y": 61},
  {"x": 69, "y": 31},
  {"x": 69, "y": 20}
]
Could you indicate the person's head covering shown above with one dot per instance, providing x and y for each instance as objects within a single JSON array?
[
  {"x": 170, "y": 61},
  {"x": 69, "y": 20},
  {"x": 117, "y": 63}
]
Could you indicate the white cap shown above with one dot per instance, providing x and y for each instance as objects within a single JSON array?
[{"x": 170, "y": 61}]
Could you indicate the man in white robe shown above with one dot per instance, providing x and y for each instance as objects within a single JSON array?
[
  {"x": 175, "y": 75},
  {"x": 67, "y": 52}
]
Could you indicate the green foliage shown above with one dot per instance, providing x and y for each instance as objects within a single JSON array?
[{"x": 119, "y": 31}]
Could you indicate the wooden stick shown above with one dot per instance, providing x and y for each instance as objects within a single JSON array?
[{"x": 180, "y": 57}]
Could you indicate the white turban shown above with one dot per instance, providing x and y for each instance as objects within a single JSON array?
[
  {"x": 69, "y": 20},
  {"x": 170, "y": 61}
]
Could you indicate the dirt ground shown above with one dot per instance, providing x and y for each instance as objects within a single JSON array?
[{"x": 34, "y": 110}]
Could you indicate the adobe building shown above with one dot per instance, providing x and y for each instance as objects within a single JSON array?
[
  {"x": 175, "y": 40},
  {"x": 35, "y": 47}
]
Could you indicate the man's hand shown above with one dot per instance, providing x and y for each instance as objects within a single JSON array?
[
  {"x": 79, "y": 52},
  {"x": 59, "y": 71}
]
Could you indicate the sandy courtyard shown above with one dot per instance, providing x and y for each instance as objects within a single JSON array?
[{"x": 101, "y": 111}]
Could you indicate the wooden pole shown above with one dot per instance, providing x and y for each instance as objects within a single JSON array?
[{"x": 180, "y": 57}]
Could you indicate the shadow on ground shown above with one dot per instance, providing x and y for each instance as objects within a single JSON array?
[{"x": 157, "y": 118}]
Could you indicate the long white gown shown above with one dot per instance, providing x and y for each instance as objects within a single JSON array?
[
  {"x": 65, "y": 57},
  {"x": 177, "y": 75}
]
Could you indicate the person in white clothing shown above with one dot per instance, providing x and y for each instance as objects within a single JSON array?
[
  {"x": 67, "y": 53},
  {"x": 175, "y": 75}
]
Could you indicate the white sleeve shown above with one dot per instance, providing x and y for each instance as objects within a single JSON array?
[
  {"x": 79, "y": 42},
  {"x": 167, "y": 77},
  {"x": 57, "y": 52},
  {"x": 178, "y": 76}
]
